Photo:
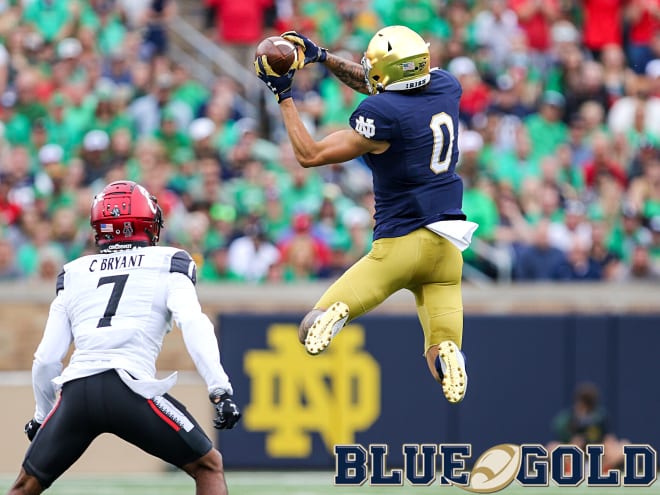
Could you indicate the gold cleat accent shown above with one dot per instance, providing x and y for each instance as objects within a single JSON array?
[
  {"x": 454, "y": 382},
  {"x": 325, "y": 327}
]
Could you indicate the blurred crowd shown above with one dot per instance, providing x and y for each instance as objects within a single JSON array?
[{"x": 560, "y": 138}]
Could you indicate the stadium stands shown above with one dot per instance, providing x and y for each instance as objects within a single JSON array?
[{"x": 560, "y": 146}]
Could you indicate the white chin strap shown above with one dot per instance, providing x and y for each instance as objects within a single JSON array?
[{"x": 409, "y": 84}]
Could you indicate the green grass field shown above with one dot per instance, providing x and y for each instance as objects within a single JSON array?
[{"x": 279, "y": 483}]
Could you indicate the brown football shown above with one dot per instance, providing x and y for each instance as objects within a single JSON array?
[{"x": 280, "y": 53}]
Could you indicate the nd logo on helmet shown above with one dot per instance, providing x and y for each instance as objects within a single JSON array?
[{"x": 294, "y": 395}]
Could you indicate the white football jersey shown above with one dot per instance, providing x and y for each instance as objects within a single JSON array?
[{"x": 117, "y": 308}]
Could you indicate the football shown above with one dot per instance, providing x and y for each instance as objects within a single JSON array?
[
  {"x": 281, "y": 54},
  {"x": 495, "y": 469}
]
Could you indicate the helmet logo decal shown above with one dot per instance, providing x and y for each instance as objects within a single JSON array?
[
  {"x": 150, "y": 202},
  {"x": 365, "y": 127},
  {"x": 97, "y": 199},
  {"x": 115, "y": 211},
  {"x": 128, "y": 229},
  {"x": 412, "y": 66}
]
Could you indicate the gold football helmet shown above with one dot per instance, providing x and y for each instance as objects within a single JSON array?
[{"x": 397, "y": 59}]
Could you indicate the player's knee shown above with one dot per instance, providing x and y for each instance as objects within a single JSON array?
[
  {"x": 213, "y": 461},
  {"x": 25, "y": 485},
  {"x": 210, "y": 463},
  {"x": 307, "y": 322}
]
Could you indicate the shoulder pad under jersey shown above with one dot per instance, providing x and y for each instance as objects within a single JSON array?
[{"x": 183, "y": 263}]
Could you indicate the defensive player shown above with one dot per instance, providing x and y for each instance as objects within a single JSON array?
[
  {"x": 407, "y": 131},
  {"x": 116, "y": 307}
]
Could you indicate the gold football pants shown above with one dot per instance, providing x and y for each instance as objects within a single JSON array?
[{"x": 423, "y": 262}]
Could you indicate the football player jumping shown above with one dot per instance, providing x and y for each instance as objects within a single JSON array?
[
  {"x": 407, "y": 132},
  {"x": 116, "y": 307}
]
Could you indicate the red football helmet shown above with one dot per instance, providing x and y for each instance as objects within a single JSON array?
[{"x": 125, "y": 215}]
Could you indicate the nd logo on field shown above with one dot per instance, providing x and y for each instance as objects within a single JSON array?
[{"x": 336, "y": 393}]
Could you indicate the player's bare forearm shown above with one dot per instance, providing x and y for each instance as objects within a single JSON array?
[
  {"x": 302, "y": 142},
  {"x": 348, "y": 72},
  {"x": 337, "y": 147}
]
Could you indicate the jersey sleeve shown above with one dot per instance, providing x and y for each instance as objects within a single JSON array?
[
  {"x": 198, "y": 332},
  {"x": 59, "y": 283},
  {"x": 371, "y": 122},
  {"x": 452, "y": 81},
  {"x": 48, "y": 358},
  {"x": 183, "y": 263}
]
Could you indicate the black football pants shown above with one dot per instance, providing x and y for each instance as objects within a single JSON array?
[{"x": 102, "y": 403}]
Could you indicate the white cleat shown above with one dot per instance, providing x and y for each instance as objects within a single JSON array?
[
  {"x": 325, "y": 327},
  {"x": 454, "y": 376}
]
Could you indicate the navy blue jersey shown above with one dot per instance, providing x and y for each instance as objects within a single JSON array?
[{"x": 415, "y": 182}]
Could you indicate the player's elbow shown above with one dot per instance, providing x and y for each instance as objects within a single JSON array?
[
  {"x": 312, "y": 158},
  {"x": 306, "y": 163},
  {"x": 45, "y": 369},
  {"x": 308, "y": 159},
  {"x": 45, "y": 361}
]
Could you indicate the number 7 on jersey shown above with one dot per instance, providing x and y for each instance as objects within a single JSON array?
[{"x": 119, "y": 282}]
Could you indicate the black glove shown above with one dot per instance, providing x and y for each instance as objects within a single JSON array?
[
  {"x": 313, "y": 52},
  {"x": 279, "y": 85},
  {"x": 227, "y": 413},
  {"x": 31, "y": 428}
]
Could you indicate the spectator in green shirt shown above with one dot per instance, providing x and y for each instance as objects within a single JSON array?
[
  {"x": 53, "y": 19},
  {"x": 546, "y": 129},
  {"x": 79, "y": 110},
  {"x": 419, "y": 15},
  {"x": 17, "y": 125},
  {"x": 249, "y": 193},
  {"x": 103, "y": 19},
  {"x": 654, "y": 248},
  {"x": 56, "y": 128},
  {"x": 627, "y": 233},
  {"x": 515, "y": 166},
  {"x": 327, "y": 19},
  {"x": 170, "y": 136},
  {"x": 27, "y": 102},
  {"x": 216, "y": 267},
  {"x": 107, "y": 115},
  {"x": 188, "y": 90}
]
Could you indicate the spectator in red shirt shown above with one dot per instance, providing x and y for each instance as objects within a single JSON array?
[
  {"x": 644, "y": 19},
  {"x": 535, "y": 18},
  {"x": 304, "y": 255},
  {"x": 603, "y": 20},
  {"x": 240, "y": 26},
  {"x": 9, "y": 211},
  {"x": 476, "y": 95},
  {"x": 601, "y": 163},
  {"x": 293, "y": 19}
]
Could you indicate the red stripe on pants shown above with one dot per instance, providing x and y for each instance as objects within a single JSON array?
[{"x": 162, "y": 416}]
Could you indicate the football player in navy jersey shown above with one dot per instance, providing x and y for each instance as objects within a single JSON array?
[
  {"x": 116, "y": 307},
  {"x": 407, "y": 132}
]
